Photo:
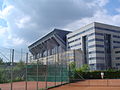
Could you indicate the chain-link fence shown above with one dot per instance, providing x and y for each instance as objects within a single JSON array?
[
  {"x": 19, "y": 71},
  {"x": 85, "y": 77}
]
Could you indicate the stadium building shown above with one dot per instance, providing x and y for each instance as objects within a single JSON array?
[
  {"x": 52, "y": 43},
  {"x": 63, "y": 58},
  {"x": 99, "y": 43},
  {"x": 52, "y": 49}
]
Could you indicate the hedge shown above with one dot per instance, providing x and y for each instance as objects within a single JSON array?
[{"x": 97, "y": 75}]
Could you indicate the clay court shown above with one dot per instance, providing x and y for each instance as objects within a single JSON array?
[
  {"x": 100, "y": 84},
  {"x": 104, "y": 84},
  {"x": 31, "y": 85}
]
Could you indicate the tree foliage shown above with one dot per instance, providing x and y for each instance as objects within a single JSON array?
[{"x": 1, "y": 61}]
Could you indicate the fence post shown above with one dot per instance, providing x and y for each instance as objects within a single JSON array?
[
  {"x": 12, "y": 58},
  {"x": 55, "y": 70},
  {"x": 107, "y": 83},
  {"x": 37, "y": 74},
  {"x": 26, "y": 70},
  {"x": 46, "y": 65}
]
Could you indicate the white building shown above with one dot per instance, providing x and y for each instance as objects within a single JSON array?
[
  {"x": 98, "y": 42},
  {"x": 62, "y": 58},
  {"x": 116, "y": 62}
]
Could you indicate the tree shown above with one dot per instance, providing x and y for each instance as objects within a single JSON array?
[
  {"x": 21, "y": 64},
  {"x": 1, "y": 61},
  {"x": 72, "y": 66},
  {"x": 84, "y": 68}
]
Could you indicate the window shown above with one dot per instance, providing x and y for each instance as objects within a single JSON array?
[
  {"x": 117, "y": 51},
  {"x": 116, "y": 46},
  {"x": 96, "y": 39},
  {"x": 74, "y": 40},
  {"x": 101, "y": 34},
  {"x": 100, "y": 58},
  {"x": 96, "y": 52},
  {"x": 96, "y": 33},
  {"x": 75, "y": 45},
  {"x": 91, "y": 40},
  {"x": 115, "y": 36},
  {"x": 117, "y": 64},
  {"x": 117, "y": 58},
  {"x": 106, "y": 29},
  {"x": 81, "y": 32},
  {"x": 99, "y": 45},
  {"x": 116, "y": 42},
  {"x": 70, "y": 41},
  {"x": 99, "y": 39},
  {"x": 91, "y": 46},
  {"x": 91, "y": 34}
]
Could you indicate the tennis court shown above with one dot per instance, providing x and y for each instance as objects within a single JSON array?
[
  {"x": 31, "y": 85},
  {"x": 93, "y": 84}
]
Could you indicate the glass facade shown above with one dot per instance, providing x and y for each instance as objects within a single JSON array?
[
  {"x": 107, "y": 44},
  {"x": 85, "y": 48}
]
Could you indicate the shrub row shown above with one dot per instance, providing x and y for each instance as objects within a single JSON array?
[{"x": 97, "y": 75}]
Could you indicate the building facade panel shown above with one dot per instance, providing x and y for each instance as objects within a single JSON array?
[{"x": 98, "y": 44}]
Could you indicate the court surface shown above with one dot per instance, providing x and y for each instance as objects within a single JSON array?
[
  {"x": 93, "y": 84},
  {"x": 100, "y": 84},
  {"x": 31, "y": 85}
]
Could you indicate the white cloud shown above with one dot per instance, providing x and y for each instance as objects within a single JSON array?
[
  {"x": 4, "y": 13},
  {"x": 22, "y": 22},
  {"x": 13, "y": 41},
  {"x": 17, "y": 41},
  {"x": 99, "y": 16},
  {"x": 3, "y": 30}
]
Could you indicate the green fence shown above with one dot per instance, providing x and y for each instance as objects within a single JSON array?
[{"x": 51, "y": 73}]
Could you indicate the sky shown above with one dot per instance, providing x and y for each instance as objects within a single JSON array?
[{"x": 22, "y": 22}]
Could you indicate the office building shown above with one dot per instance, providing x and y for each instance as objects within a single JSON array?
[{"x": 98, "y": 42}]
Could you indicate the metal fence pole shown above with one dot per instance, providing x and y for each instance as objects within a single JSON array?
[
  {"x": 46, "y": 64},
  {"x": 107, "y": 82},
  {"x": 12, "y": 58},
  {"x": 55, "y": 66},
  {"x": 26, "y": 70},
  {"x": 37, "y": 74},
  {"x": 61, "y": 66}
]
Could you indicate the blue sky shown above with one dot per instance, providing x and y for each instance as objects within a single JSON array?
[{"x": 24, "y": 21}]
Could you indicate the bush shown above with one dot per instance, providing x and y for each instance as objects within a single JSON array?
[
  {"x": 97, "y": 74},
  {"x": 84, "y": 72}
]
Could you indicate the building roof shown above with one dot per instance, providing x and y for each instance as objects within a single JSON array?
[{"x": 58, "y": 32}]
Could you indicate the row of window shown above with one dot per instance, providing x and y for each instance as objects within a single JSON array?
[
  {"x": 116, "y": 47},
  {"x": 96, "y": 39},
  {"x": 91, "y": 46},
  {"x": 106, "y": 29},
  {"x": 115, "y": 36},
  {"x": 75, "y": 45},
  {"x": 100, "y": 28},
  {"x": 81, "y": 32},
  {"x": 117, "y": 51},
  {"x": 101, "y": 65},
  {"x": 117, "y": 58},
  {"x": 117, "y": 64},
  {"x": 96, "y": 33},
  {"x": 116, "y": 42},
  {"x": 98, "y": 64},
  {"x": 95, "y": 52},
  {"x": 74, "y": 40},
  {"x": 92, "y": 58}
]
